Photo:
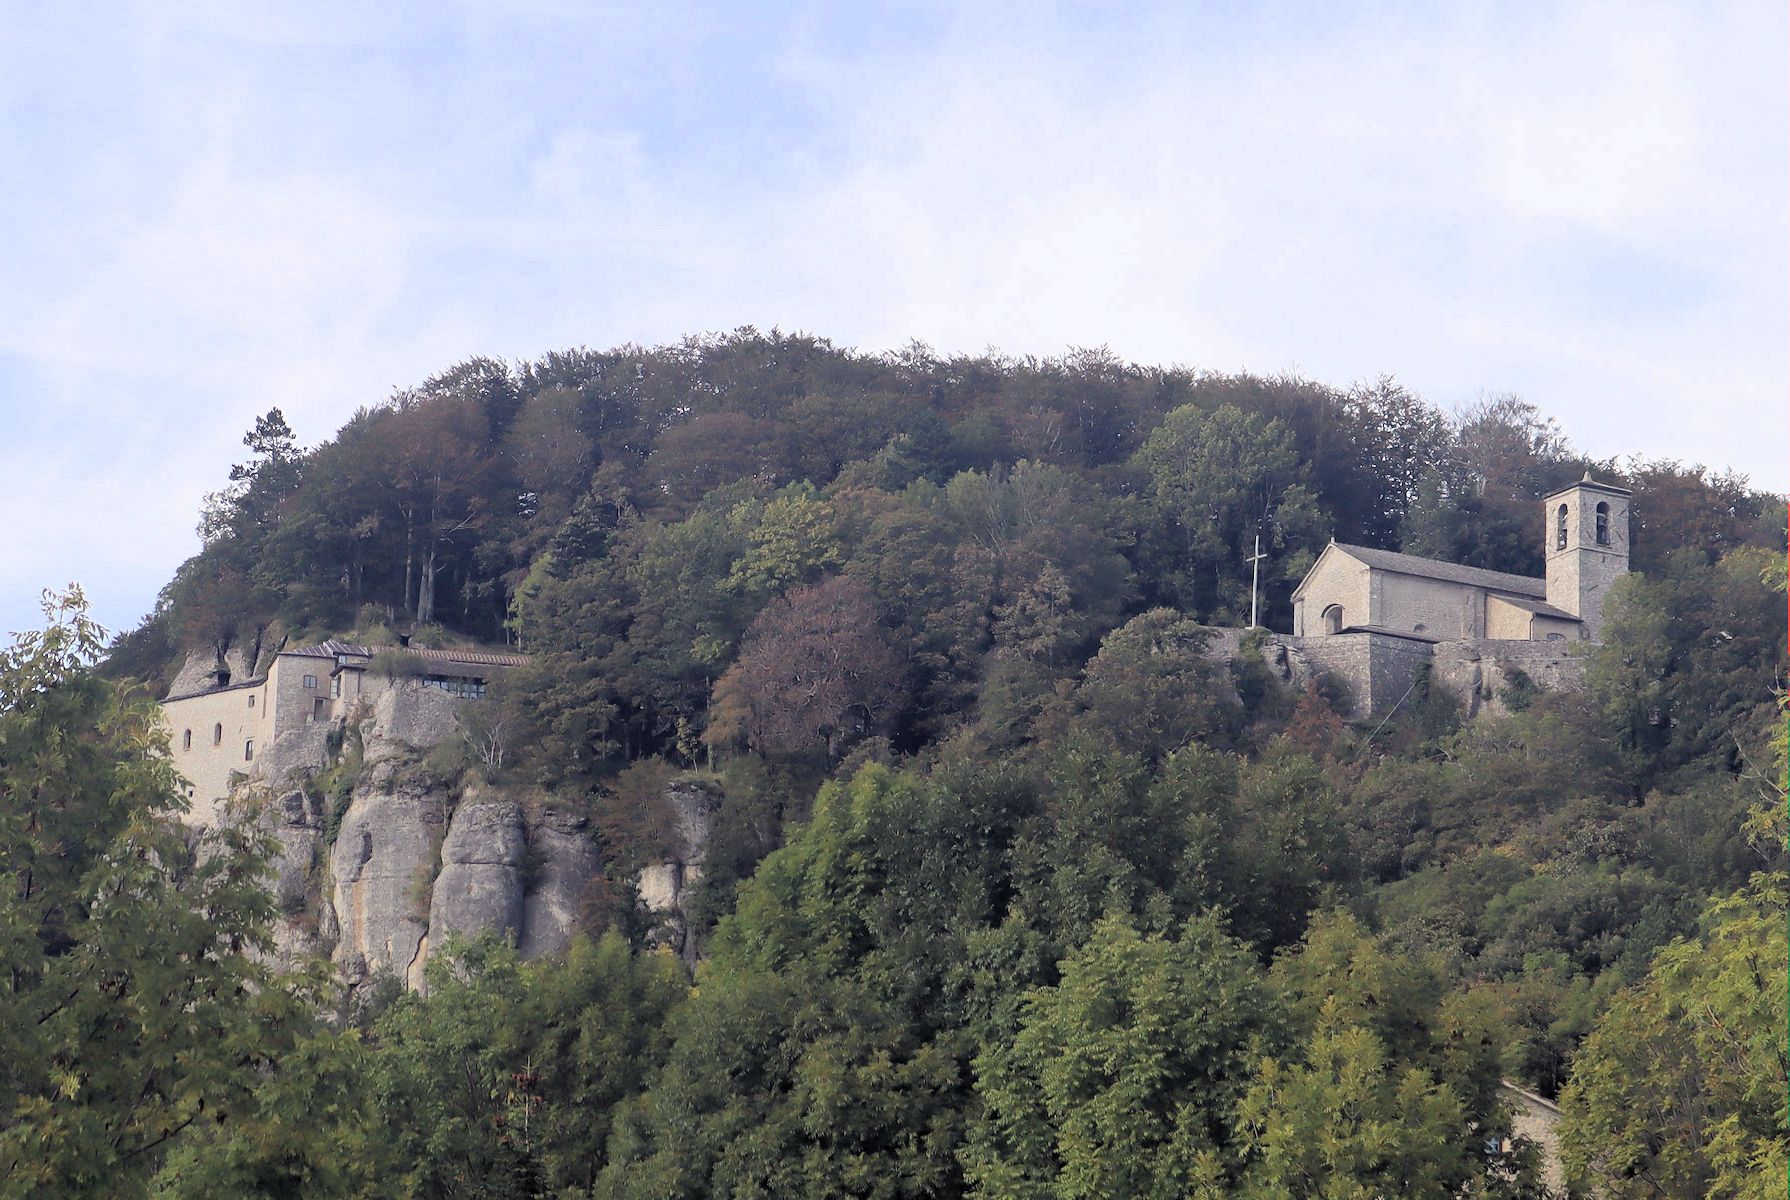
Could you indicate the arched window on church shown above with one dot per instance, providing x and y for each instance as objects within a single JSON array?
[
  {"x": 1560, "y": 528},
  {"x": 1603, "y": 524},
  {"x": 186, "y": 740},
  {"x": 1333, "y": 619},
  {"x": 217, "y": 735}
]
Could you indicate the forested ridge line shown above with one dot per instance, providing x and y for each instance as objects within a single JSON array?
[{"x": 1020, "y": 893}]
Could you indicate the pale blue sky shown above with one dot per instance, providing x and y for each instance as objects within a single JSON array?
[{"x": 240, "y": 206}]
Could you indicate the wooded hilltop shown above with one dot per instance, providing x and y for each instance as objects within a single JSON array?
[{"x": 1014, "y": 889}]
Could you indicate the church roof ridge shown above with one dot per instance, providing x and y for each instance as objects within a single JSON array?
[{"x": 1430, "y": 568}]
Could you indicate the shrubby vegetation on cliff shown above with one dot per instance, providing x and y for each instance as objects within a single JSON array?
[{"x": 1013, "y": 891}]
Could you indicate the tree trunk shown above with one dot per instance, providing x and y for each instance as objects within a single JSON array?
[
  {"x": 409, "y": 552},
  {"x": 425, "y": 599}
]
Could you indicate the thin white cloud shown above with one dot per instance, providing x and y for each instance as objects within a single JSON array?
[{"x": 1582, "y": 203}]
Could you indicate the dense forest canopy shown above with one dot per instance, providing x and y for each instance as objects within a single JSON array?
[
  {"x": 644, "y": 507},
  {"x": 1015, "y": 889}
]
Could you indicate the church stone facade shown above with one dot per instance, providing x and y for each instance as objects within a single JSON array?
[{"x": 1374, "y": 618}]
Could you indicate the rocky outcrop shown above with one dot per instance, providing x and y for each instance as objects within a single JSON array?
[
  {"x": 383, "y": 868},
  {"x": 295, "y": 754},
  {"x": 563, "y": 861},
  {"x": 412, "y": 860},
  {"x": 412, "y": 718},
  {"x": 479, "y": 888},
  {"x": 664, "y": 887},
  {"x": 305, "y": 925}
]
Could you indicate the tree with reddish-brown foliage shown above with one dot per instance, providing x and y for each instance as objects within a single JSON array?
[
  {"x": 1315, "y": 726},
  {"x": 817, "y": 671}
]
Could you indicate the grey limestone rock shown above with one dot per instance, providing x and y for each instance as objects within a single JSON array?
[
  {"x": 295, "y": 754},
  {"x": 565, "y": 861},
  {"x": 296, "y": 821},
  {"x": 693, "y": 806},
  {"x": 199, "y": 672},
  {"x": 664, "y": 887},
  {"x": 480, "y": 885},
  {"x": 409, "y": 717},
  {"x": 381, "y": 864}
]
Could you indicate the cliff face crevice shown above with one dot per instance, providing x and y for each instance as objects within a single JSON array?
[
  {"x": 407, "y": 860},
  {"x": 382, "y": 866},
  {"x": 480, "y": 887},
  {"x": 664, "y": 888}
]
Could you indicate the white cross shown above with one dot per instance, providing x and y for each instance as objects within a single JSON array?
[{"x": 1255, "y": 575}]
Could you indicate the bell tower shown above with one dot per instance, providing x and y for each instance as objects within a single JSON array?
[{"x": 1586, "y": 525}]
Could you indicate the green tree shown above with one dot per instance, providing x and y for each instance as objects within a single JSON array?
[
  {"x": 1153, "y": 689},
  {"x": 132, "y": 1004},
  {"x": 1039, "y": 555},
  {"x": 791, "y": 543},
  {"x": 1346, "y": 1121},
  {"x": 826, "y": 1050},
  {"x": 1218, "y": 480},
  {"x": 1690, "y": 660},
  {"x": 1123, "y": 1078},
  {"x": 1679, "y": 1090},
  {"x": 1290, "y": 848},
  {"x": 503, "y": 1080}
]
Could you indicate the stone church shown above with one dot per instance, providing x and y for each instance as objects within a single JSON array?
[
  {"x": 1357, "y": 588},
  {"x": 1373, "y": 617}
]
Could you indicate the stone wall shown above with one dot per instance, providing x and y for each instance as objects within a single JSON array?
[
  {"x": 1476, "y": 672},
  {"x": 1377, "y": 668},
  {"x": 1335, "y": 579},
  {"x": 208, "y": 736},
  {"x": 1395, "y": 663},
  {"x": 1434, "y": 607},
  {"x": 1537, "y": 1120}
]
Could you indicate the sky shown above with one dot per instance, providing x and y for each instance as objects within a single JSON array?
[{"x": 211, "y": 212}]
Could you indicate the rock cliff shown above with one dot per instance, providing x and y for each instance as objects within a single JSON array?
[
  {"x": 381, "y": 859},
  {"x": 664, "y": 888}
]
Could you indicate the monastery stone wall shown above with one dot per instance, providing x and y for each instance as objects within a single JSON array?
[
  {"x": 1379, "y": 668},
  {"x": 208, "y": 736},
  {"x": 1475, "y": 672}
]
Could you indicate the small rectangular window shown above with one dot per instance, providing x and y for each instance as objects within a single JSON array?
[
  {"x": 248, "y": 751},
  {"x": 335, "y": 685},
  {"x": 310, "y": 681},
  {"x": 251, "y": 700}
]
